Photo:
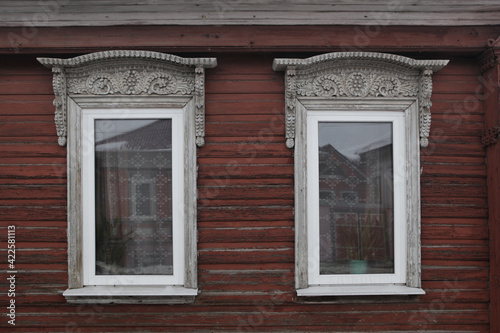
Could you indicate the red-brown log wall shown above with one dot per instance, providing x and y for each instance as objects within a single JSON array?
[{"x": 245, "y": 214}]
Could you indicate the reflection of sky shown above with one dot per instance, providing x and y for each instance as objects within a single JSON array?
[
  {"x": 353, "y": 138},
  {"x": 107, "y": 128}
]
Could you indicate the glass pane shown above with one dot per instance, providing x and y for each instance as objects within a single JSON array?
[
  {"x": 133, "y": 182},
  {"x": 356, "y": 198}
]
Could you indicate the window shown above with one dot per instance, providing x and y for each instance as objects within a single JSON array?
[
  {"x": 365, "y": 226},
  {"x": 132, "y": 197},
  {"x": 356, "y": 121},
  {"x": 131, "y": 121}
]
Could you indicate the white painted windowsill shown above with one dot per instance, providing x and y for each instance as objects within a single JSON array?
[
  {"x": 131, "y": 294},
  {"x": 359, "y": 290}
]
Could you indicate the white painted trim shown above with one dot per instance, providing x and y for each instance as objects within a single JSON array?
[
  {"x": 359, "y": 290},
  {"x": 410, "y": 110},
  {"x": 131, "y": 295},
  {"x": 399, "y": 194},
  {"x": 88, "y": 196},
  {"x": 140, "y": 290}
]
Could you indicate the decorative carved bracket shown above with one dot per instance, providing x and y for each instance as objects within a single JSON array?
[
  {"x": 359, "y": 75},
  {"x": 128, "y": 73},
  {"x": 490, "y": 136}
]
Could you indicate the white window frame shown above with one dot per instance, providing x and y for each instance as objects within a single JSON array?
[
  {"x": 352, "y": 83},
  {"x": 88, "y": 194},
  {"x": 130, "y": 80},
  {"x": 397, "y": 122}
]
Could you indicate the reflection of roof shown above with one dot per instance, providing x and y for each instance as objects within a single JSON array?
[
  {"x": 347, "y": 163},
  {"x": 154, "y": 136},
  {"x": 376, "y": 144}
]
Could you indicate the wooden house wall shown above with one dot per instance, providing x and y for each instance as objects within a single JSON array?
[{"x": 245, "y": 212}]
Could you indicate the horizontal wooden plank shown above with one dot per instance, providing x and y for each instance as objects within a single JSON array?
[
  {"x": 262, "y": 213},
  {"x": 249, "y": 150},
  {"x": 246, "y": 192},
  {"x": 238, "y": 235},
  {"x": 33, "y": 171},
  {"x": 441, "y": 130},
  {"x": 446, "y": 274},
  {"x": 448, "y": 169},
  {"x": 454, "y": 232},
  {"x": 439, "y": 190},
  {"x": 223, "y": 173},
  {"x": 273, "y": 255},
  {"x": 225, "y": 202},
  {"x": 443, "y": 296},
  {"x": 273, "y": 86},
  {"x": 248, "y": 13},
  {"x": 454, "y": 211},
  {"x": 464, "y": 107},
  {"x": 457, "y": 86},
  {"x": 32, "y": 192},
  {"x": 462, "y": 253},
  {"x": 242, "y": 129},
  {"x": 456, "y": 221},
  {"x": 39, "y": 234},
  {"x": 231, "y": 181},
  {"x": 445, "y": 146},
  {"x": 52, "y": 150},
  {"x": 280, "y": 319},
  {"x": 33, "y": 213},
  {"x": 259, "y": 38},
  {"x": 241, "y": 160},
  {"x": 28, "y": 129},
  {"x": 276, "y": 277},
  {"x": 48, "y": 256}
]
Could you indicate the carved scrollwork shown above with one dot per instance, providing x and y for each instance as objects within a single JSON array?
[
  {"x": 328, "y": 85},
  {"x": 356, "y": 84},
  {"x": 97, "y": 84},
  {"x": 162, "y": 84},
  {"x": 128, "y": 73},
  {"x": 131, "y": 82},
  {"x": 385, "y": 86},
  {"x": 359, "y": 75}
]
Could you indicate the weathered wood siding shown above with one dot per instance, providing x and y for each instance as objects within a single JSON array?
[
  {"x": 245, "y": 213},
  {"x": 255, "y": 12}
]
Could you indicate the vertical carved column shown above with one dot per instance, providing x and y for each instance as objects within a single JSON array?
[
  {"x": 59, "y": 85},
  {"x": 490, "y": 66},
  {"x": 200, "y": 105},
  {"x": 424, "y": 97},
  {"x": 290, "y": 100}
]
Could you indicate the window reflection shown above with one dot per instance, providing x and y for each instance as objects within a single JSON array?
[
  {"x": 356, "y": 198},
  {"x": 133, "y": 183}
]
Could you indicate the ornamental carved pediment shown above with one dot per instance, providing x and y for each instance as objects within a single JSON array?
[
  {"x": 357, "y": 83},
  {"x": 358, "y": 75},
  {"x": 131, "y": 82},
  {"x": 127, "y": 74}
]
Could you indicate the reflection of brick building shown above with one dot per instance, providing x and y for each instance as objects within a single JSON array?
[
  {"x": 134, "y": 171},
  {"x": 356, "y": 204}
]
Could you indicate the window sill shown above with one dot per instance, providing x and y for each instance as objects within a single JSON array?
[
  {"x": 358, "y": 290},
  {"x": 131, "y": 295}
]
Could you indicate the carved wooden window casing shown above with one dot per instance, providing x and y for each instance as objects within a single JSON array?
[
  {"x": 356, "y": 122},
  {"x": 131, "y": 121}
]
